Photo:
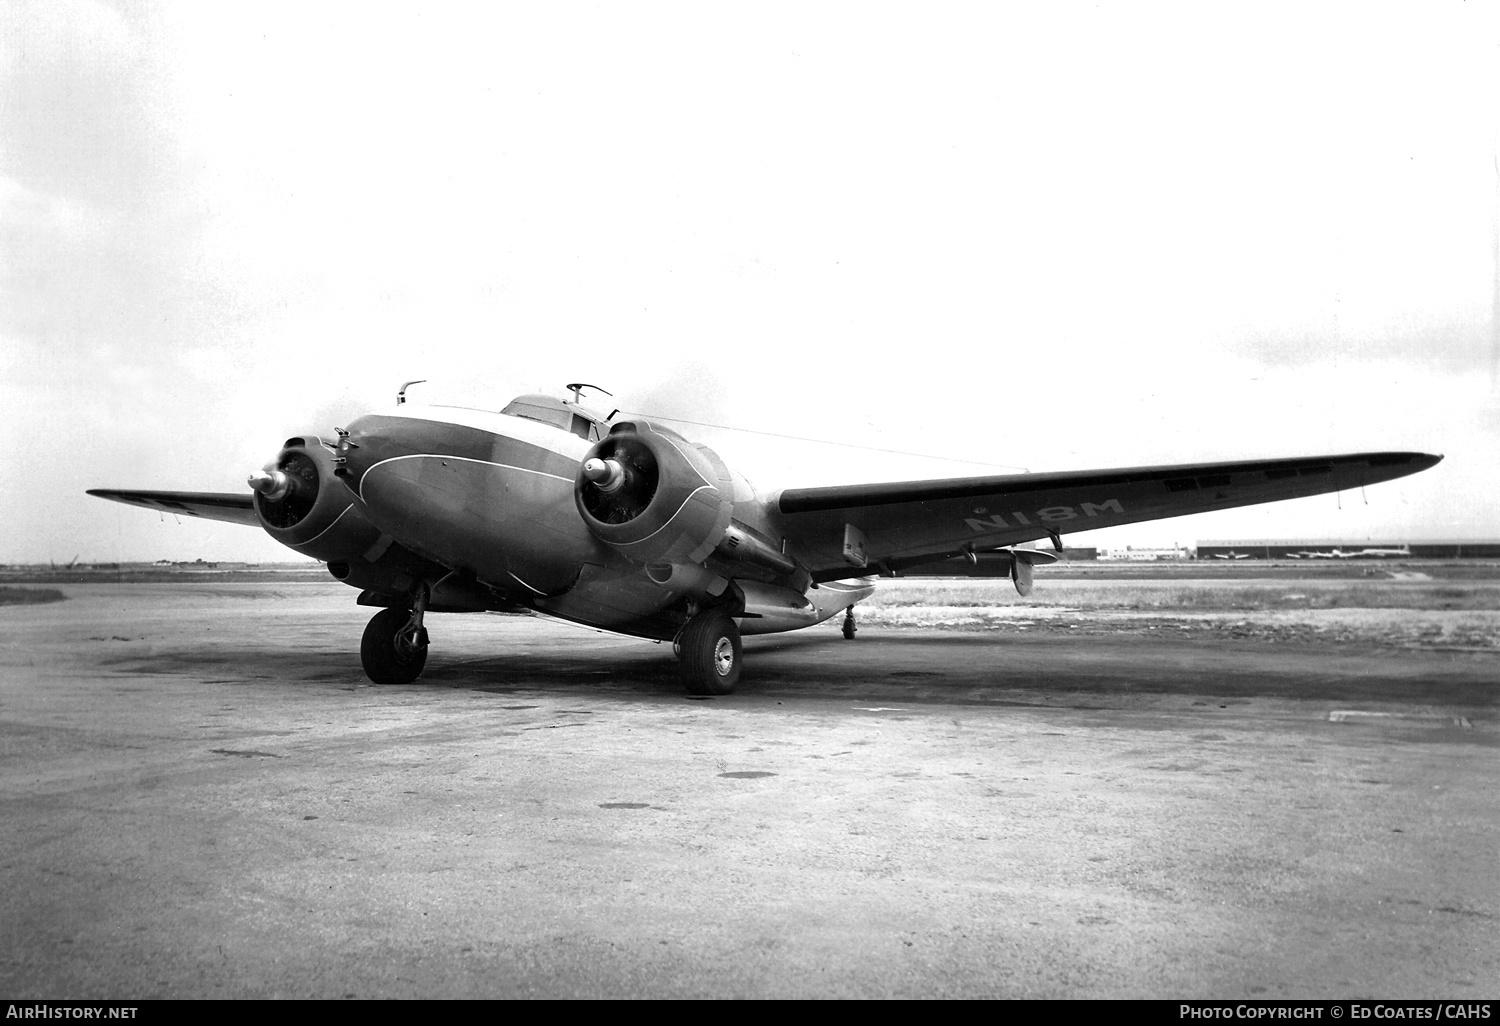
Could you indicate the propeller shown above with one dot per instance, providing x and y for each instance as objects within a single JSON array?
[
  {"x": 620, "y": 479},
  {"x": 286, "y": 490}
]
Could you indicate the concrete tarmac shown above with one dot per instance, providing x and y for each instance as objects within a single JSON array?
[{"x": 203, "y": 797}]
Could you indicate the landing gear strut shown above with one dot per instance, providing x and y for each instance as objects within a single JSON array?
[
  {"x": 849, "y": 627},
  {"x": 709, "y": 647},
  {"x": 394, "y": 647}
]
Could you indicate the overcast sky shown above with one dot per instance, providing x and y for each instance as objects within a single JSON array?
[{"x": 1049, "y": 236}]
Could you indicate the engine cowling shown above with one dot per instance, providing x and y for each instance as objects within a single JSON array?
[
  {"x": 303, "y": 505},
  {"x": 653, "y": 495}
]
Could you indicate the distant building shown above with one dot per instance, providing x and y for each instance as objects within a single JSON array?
[
  {"x": 1148, "y": 554},
  {"x": 1326, "y": 548}
]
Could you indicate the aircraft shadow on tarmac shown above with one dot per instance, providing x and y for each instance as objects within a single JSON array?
[{"x": 935, "y": 668}]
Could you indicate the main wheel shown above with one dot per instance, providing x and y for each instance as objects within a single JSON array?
[
  {"x": 711, "y": 654},
  {"x": 389, "y": 658}
]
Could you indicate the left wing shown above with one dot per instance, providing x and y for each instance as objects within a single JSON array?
[
  {"x": 232, "y": 507},
  {"x": 850, "y": 530}
]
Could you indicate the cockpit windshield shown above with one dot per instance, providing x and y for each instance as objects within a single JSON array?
[{"x": 565, "y": 416}]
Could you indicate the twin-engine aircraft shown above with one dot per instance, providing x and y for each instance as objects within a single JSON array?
[{"x": 623, "y": 524}]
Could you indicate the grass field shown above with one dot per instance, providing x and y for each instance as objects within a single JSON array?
[
  {"x": 1194, "y": 595},
  {"x": 1435, "y": 607}
]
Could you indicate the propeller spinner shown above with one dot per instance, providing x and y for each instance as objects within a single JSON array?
[
  {"x": 273, "y": 484},
  {"x": 620, "y": 479},
  {"x": 607, "y": 475},
  {"x": 286, "y": 491}
]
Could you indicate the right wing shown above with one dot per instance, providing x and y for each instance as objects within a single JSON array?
[
  {"x": 846, "y": 530},
  {"x": 231, "y": 507}
]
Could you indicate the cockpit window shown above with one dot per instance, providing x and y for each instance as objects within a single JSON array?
[
  {"x": 557, "y": 418},
  {"x": 547, "y": 410}
]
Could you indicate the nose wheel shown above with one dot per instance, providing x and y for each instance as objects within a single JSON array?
[
  {"x": 711, "y": 654},
  {"x": 394, "y": 647}
]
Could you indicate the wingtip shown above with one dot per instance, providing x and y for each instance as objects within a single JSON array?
[{"x": 1409, "y": 462}]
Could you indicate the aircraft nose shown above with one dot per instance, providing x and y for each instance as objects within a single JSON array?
[
  {"x": 374, "y": 439},
  {"x": 357, "y": 450}
]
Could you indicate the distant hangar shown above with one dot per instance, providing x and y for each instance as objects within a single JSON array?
[{"x": 1323, "y": 548}]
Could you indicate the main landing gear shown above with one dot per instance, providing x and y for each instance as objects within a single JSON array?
[
  {"x": 849, "y": 628},
  {"x": 709, "y": 647},
  {"x": 394, "y": 647}
]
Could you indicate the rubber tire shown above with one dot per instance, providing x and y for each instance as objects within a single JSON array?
[
  {"x": 377, "y": 649},
  {"x": 848, "y": 631},
  {"x": 701, "y": 644}
]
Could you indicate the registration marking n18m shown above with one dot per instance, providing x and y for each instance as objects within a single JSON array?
[{"x": 1046, "y": 515}]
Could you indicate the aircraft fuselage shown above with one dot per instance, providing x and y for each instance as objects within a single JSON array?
[
  {"x": 489, "y": 493},
  {"x": 492, "y": 497}
]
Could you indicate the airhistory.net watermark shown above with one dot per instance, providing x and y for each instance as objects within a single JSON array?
[{"x": 43, "y": 1010}]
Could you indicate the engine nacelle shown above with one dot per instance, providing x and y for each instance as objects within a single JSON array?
[
  {"x": 302, "y": 505},
  {"x": 653, "y": 495}
]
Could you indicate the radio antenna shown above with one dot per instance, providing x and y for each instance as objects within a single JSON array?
[{"x": 577, "y": 389}]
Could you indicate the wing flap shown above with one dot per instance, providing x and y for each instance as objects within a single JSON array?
[
  {"x": 903, "y": 520},
  {"x": 230, "y": 507}
]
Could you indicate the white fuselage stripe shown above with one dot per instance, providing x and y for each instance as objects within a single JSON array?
[{"x": 462, "y": 459}]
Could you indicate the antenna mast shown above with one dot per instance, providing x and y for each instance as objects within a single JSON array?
[{"x": 577, "y": 389}]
